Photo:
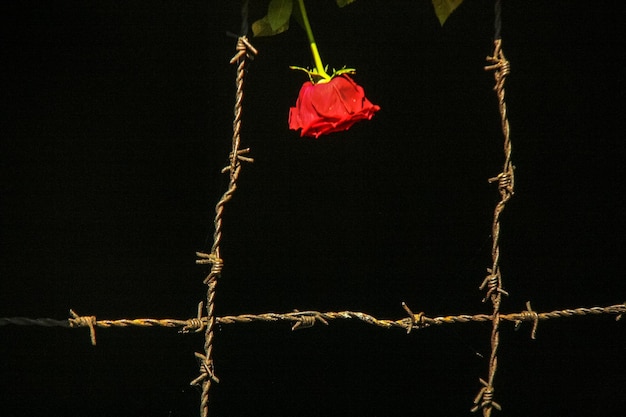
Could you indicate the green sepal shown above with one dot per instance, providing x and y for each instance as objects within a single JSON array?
[{"x": 316, "y": 77}]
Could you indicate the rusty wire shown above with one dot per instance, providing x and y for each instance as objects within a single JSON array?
[
  {"x": 484, "y": 400},
  {"x": 493, "y": 281},
  {"x": 207, "y": 375},
  {"x": 304, "y": 319}
]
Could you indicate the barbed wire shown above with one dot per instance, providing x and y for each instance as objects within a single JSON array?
[
  {"x": 308, "y": 318},
  {"x": 493, "y": 281},
  {"x": 484, "y": 400},
  {"x": 245, "y": 51}
]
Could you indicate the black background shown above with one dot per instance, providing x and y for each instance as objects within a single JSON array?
[{"x": 116, "y": 120}]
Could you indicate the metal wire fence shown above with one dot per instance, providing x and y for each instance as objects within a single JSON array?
[{"x": 205, "y": 320}]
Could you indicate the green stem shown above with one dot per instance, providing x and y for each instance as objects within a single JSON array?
[{"x": 309, "y": 33}]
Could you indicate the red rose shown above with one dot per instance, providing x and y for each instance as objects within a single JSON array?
[{"x": 330, "y": 107}]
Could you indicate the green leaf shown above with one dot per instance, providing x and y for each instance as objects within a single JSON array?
[
  {"x": 262, "y": 27},
  {"x": 444, "y": 8},
  {"x": 278, "y": 13},
  {"x": 342, "y": 3}
]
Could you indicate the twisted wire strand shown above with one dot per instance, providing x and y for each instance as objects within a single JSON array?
[
  {"x": 310, "y": 317},
  {"x": 493, "y": 282},
  {"x": 207, "y": 373}
]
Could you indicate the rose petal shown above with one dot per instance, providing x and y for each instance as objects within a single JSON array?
[{"x": 330, "y": 107}]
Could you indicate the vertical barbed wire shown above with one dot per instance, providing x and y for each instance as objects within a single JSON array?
[
  {"x": 493, "y": 281},
  {"x": 207, "y": 376}
]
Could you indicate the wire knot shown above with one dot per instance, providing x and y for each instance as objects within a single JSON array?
[
  {"x": 209, "y": 258},
  {"x": 505, "y": 182},
  {"x": 415, "y": 320},
  {"x": 244, "y": 48},
  {"x": 216, "y": 262},
  {"x": 84, "y": 321},
  {"x": 484, "y": 400},
  {"x": 529, "y": 315},
  {"x": 195, "y": 324},
  {"x": 307, "y": 319},
  {"x": 239, "y": 157},
  {"x": 499, "y": 64},
  {"x": 206, "y": 370},
  {"x": 492, "y": 282}
]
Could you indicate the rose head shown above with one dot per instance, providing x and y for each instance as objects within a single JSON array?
[{"x": 331, "y": 106}]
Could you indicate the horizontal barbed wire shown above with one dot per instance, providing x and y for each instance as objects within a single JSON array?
[{"x": 304, "y": 319}]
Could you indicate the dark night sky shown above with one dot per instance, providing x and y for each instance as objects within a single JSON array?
[{"x": 115, "y": 123}]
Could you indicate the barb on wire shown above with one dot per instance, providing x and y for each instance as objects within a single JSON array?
[
  {"x": 206, "y": 370},
  {"x": 484, "y": 400},
  {"x": 326, "y": 317},
  {"x": 196, "y": 324},
  {"x": 530, "y": 315},
  {"x": 506, "y": 182},
  {"x": 244, "y": 48},
  {"x": 84, "y": 321},
  {"x": 415, "y": 320},
  {"x": 307, "y": 319},
  {"x": 245, "y": 52}
]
